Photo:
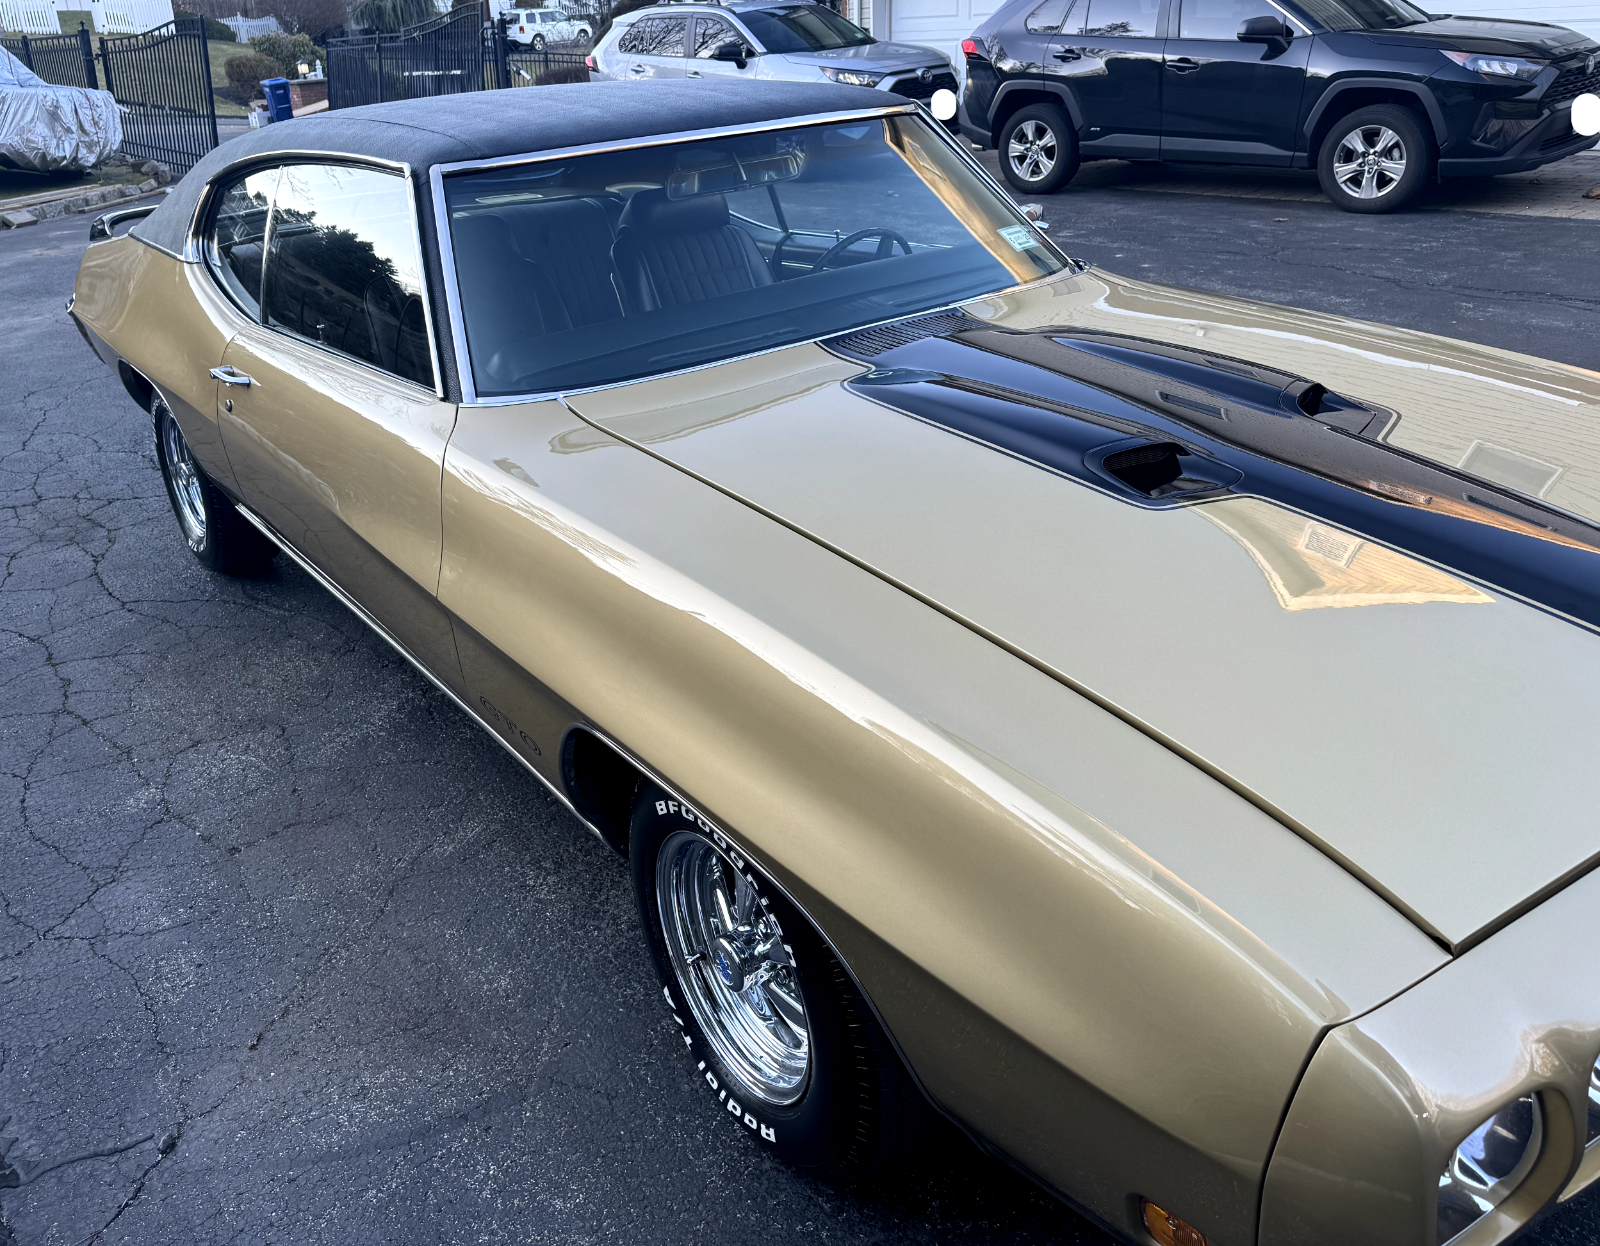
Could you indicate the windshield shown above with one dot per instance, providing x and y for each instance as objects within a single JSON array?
[
  {"x": 1363, "y": 14},
  {"x": 603, "y": 268},
  {"x": 803, "y": 28}
]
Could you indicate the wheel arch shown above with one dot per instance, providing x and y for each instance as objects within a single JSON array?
[
  {"x": 1014, "y": 96},
  {"x": 139, "y": 387},
  {"x": 1343, "y": 98}
]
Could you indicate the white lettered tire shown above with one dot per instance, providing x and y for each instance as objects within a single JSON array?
[{"x": 777, "y": 1035}]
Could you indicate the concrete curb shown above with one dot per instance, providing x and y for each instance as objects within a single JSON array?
[{"x": 38, "y": 208}]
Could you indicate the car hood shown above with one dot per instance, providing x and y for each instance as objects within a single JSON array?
[
  {"x": 1489, "y": 35},
  {"x": 874, "y": 57},
  {"x": 1379, "y": 647}
]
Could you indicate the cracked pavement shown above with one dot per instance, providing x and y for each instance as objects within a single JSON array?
[{"x": 290, "y": 952}]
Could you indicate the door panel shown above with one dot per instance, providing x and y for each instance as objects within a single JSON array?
[
  {"x": 1112, "y": 66},
  {"x": 334, "y": 436},
  {"x": 1222, "y": 100}
]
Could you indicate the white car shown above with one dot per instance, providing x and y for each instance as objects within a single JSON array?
[
  {"x": 537, "y": 27},
  {"x": 789, "y": 42}
]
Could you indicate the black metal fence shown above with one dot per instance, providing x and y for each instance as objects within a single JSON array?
[
  {"x": 65, "y": 60},
  {"x": 453, "y": 53},
  {"x": 162, "y": 79}
]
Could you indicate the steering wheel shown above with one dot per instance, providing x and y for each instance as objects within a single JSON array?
[{"x": 886, "y": 243}]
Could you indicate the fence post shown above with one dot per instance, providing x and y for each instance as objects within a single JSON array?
[
  {"x": 27, "y": 52},
  {"x": 378, "y": 43},
  {"x": 86, "y": 50},
  {"x": 105, "y": 65},
  {"x": 502, "y": 69}
]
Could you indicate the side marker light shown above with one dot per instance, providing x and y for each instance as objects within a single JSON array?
[{"x": 1167, "y": 1229}]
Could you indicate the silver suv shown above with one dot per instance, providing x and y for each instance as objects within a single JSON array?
[{"x": 788, "y": 42}]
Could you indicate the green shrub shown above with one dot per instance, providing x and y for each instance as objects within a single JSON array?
[
  {"x": 215, "y": 30},
  {"x": 288, "y": 51},
  {"x": 245, "y": 73}
]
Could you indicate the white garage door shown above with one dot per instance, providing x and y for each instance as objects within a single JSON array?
[{"x": 942, "y": 24}]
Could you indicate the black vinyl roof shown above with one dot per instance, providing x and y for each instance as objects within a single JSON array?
[{"x": 485, "y": 124}]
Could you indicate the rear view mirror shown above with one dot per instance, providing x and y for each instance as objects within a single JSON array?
[{"x": 730, "y": 51}]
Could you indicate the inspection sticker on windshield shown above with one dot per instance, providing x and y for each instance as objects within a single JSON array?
[{"x": 1020, "y": 237}]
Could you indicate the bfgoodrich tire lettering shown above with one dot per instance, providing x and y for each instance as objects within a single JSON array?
[{"x": 848, "y": 1107}]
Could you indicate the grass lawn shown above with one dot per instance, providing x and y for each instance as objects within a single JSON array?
[{"x": 220, "y": 50}]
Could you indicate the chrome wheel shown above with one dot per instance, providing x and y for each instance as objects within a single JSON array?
[
  {"x": 1369, "y": 162},
  {"x": 730, "y": 960},
  {"x": 1032, "y": 150},
  {"x": 187, "y": 489}
]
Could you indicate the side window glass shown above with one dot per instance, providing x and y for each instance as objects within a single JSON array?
[
  {"x": 1218, "y": 19},
  {"x": 632, "y": 41},
  {"x": 238, "y": 232},
  {"x": 1050, "y": 17},
  {"x": 710, "y": 34},
  {"x": 343, "y": 268},
  {"x": 1125, "y": 19},
  {"x": 669, "y": 38}
]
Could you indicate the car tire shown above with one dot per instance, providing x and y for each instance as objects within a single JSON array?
[
  {"x": 1376, "y": 159},
  {"x": 221, "y": 538},
  {"x": 819, "y": 1083},
  {"x": 538, "y": 43},
  {"x": 1038, "y": 149},
  {"x": 583, "y": 34}
]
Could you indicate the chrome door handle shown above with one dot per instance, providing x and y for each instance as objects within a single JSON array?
[
  {"x": 636, "y": 69},
  {"x": 1183, "y": 65},
  {"x": 694, "y": 73},
  {"x": 1068, "y": 54},
  {"x": 230, "y": 375}
]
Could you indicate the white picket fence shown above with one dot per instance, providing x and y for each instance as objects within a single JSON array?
[{"x": 109, "y": 17}]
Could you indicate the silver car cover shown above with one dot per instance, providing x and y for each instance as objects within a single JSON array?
[{"x": 49, "y": 128}]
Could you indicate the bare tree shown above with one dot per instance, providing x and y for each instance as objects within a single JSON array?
[{"x": 306, "y": 17}]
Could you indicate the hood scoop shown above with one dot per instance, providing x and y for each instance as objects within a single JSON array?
[{"x": 1160, "y": 426}]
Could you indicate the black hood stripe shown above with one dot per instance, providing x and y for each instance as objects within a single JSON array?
[{"x": 1162, "y": 426}]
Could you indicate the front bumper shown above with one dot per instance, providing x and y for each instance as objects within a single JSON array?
[
  {"x": 1388, "y": 1097},
  {"x": 1552, "y": 139}
]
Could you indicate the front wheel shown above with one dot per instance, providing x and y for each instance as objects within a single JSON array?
[
  {"x": 779, "y": 1035},
  {"x": 538, "y": 43},
  {"x": 1038, "y": 149},
  {"x": 1376, "y": 159},
  {"x": 221, "y": 538}
]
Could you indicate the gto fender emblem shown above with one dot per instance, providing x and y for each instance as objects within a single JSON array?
[{"x": 508, "y": 727}]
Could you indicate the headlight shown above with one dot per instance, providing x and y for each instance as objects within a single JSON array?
[
  {"x": 1497, "y": 66},
  {"x": 853, "y": 77},
  {"x": 1490, "y": 1164}
]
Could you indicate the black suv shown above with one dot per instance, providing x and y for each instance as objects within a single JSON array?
[{"x": 1377, "y": 94}]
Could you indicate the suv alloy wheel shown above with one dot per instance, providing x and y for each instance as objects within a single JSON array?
[
  {"x": 1038, "y": 149},
  {"x": 1376, "y": 159}
]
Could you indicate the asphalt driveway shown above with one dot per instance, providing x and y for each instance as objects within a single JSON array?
[{"x": 290, "y": 952}]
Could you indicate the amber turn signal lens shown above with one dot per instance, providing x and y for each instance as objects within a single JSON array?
[{"x": 1168, "y": 1229}]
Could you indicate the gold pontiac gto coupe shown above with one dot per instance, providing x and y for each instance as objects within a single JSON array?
[{"x": 1146, "y": 727}]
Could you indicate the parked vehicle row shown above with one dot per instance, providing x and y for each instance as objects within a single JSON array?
[
  {"x": 761, "y": 40},
  {"x": 1377, "y": 95}
]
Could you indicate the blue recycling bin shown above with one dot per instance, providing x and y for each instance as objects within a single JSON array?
[{"x": 277, "y": 92}]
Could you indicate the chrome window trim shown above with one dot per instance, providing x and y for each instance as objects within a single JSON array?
[
  {"x": 452, "y": 290},
  {"x": 196, "y": 249}
]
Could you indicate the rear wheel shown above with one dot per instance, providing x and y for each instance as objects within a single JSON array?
[
  {"x": 1038, "y": 149},
  {"x": 538, "y": 43},
  {"x": 777, "y": 1031},
  {"x": 215, "y": 532},
  {"x": 1376, "y": 159}
]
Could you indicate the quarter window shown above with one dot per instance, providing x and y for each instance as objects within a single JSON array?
[
  {"x": 238, "y": 232},
  {"x": 343, "y": 270},
  {"x": 1124, "y": 19},
  {"x": 1050, "y": 17}
]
